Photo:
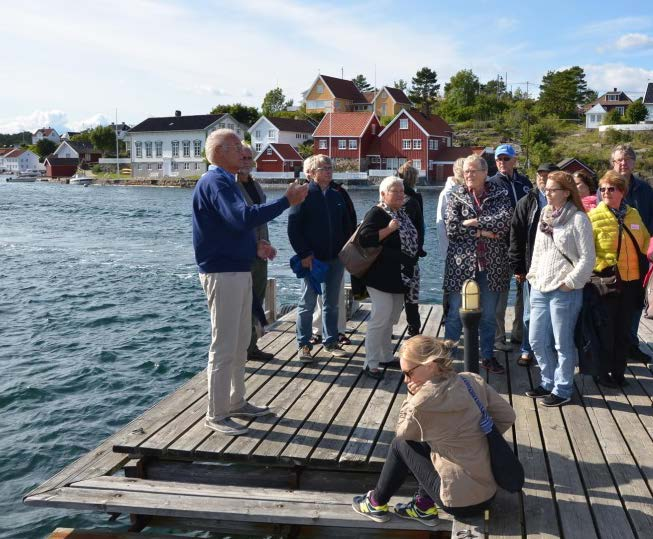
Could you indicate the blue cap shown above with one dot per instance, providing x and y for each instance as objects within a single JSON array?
[{"x": 505, "y": 149}]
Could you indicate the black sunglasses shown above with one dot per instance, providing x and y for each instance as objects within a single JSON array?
[{"x": 504, "y": 158}]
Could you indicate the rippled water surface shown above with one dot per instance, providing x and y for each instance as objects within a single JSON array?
[{"x": 101, "y": 316}]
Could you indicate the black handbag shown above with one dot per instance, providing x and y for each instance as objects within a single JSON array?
[{"x": 508, "y": 472}]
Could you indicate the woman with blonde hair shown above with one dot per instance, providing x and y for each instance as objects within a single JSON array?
[
  {"x": 563, "y": 258},
  {"x": 443, "y": 201},
  {"x": 439, "y": 440}
]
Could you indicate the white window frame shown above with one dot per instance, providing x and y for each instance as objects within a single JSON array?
[
  {"x": 433, "y": 144},
  {"x": 406, "y": 144},
  {"x": 186, "y": 166},
  {"x": 257, "y": 147},
  {"x": 417, "y": 163},
  {"x": 185, "y": 144},
  {"x": 353, "y": 144},
  {"x": 149, "y": 166},
  {"x": 148, "y": 149},
  {"x": 174, "y": 165},
  {"x": 342, "y": 144},
  {"x": 319, "y": 88},
  {"x": 197, "y": 148},
  {"x": 257, "y": 133},
  {"x": 159, "y": 166},
  {"x": 175, "y": 148},
  {"x": 322, "y": 144},
  {"x": 270, "y": 134},
  {"x": 197, "y": 166},
  {"x": 403, "y": 123},
  {"x": 138, "y": 149},
  {"x": 417, "y": 144},
  {"x": 158, "y": 148},
  {"x": 268, "y": 151}
]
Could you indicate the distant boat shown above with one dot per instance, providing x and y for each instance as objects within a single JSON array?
[
  {"x": 20, "y": 179},
  {"x": 80, "y": 179}
]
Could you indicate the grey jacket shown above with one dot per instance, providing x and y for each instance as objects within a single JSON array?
[{"x": 261, "y": 231}]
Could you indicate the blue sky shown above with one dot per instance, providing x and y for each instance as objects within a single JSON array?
[{"x": 73, "y": 63}]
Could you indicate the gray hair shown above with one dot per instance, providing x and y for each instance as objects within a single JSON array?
[
  {"x": 387, "y": 184},
  {"x": 627, "y": 150},
  {"x": 471, "y": 159},
  {"x": 314, "y": 161},
  {"x": 214, "y": 140}
]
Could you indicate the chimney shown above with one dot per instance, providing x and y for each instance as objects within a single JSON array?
[
  {"x": 614, "y": 90},
  {"x": 177, "y": 113}
]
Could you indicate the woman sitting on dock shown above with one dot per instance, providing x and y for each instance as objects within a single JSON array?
[
  {"x": 439, "y": 440},
  {"x": 393, "y": 274},
  {"x": 620, "y": 237}
]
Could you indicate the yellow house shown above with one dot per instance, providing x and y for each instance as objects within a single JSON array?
[
  {"x": 330, "y": 94},
  {"x": 390, "y": 101}
]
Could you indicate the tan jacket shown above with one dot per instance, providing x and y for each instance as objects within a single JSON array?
[{"x": 444, "y": 414}]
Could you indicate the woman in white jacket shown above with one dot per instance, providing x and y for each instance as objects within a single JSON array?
[{"x": 563, "y": 259}]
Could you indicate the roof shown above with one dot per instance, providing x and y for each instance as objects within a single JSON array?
[
  {"x": 121, "y": 126},
  {"x": 61, "y": 160},
  {"x": 343, "y": 89},
  {"x": 290, "y": 124},
  {"x": 4, "y": 151},
  {"x": 623, "y": 99},
  {"x": 431, "y": 125},
  {"x": 285, "y": 151},
  {"x": 15, "y": 152},
  {"x": 81, "y": 146},
  {"x": 597, "y": 109},
  {"x": 369, "y": 96},
  {"x": 47, "y": 131},
  {"x": 398, "y": 95},
  {"x": 343, "y": 124},
  {"x": 568, "y": 161},
  {"x": 648, "y": 97},
  {"x": 176, "y": 123}
]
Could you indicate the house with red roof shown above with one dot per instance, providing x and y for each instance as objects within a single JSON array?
[
  {"x": 572, "y": 164},
  {"x": 331, "y": 94},
  {"x": 20, "y": 160},
  {"x": 278, "y": 158},
  {"x": 47, "y": 133},
  {"x": 60, "y": 167},
  {"x": 347, "y": 135},
  {"x": 280, "y": 131}
]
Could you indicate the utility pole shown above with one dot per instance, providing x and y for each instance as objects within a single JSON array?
[{"x": 117, "y": 154}]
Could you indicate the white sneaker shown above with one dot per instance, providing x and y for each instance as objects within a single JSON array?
[
  {"x": 226, "y": 426},
  {"x": 250, "y": 410},
  {"x": 336, "y": 350}
]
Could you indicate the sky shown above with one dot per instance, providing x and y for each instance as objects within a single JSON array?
[{"x": 73, "y": 64}]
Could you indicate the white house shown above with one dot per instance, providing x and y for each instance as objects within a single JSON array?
[
  {"x": 20, "y": 160},
  {"x": 594, "y": 116},
  {"x": 48, "y": 133},
  {"x": 83, "y": 151},
  {"x": 173, "y": 145},
  {"x": 280, "y": 131},
  {"x": 648, "y": 101}
]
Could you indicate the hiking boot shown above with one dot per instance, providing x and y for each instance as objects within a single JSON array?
[
  {"x": 493, "y": 366},
  {"x": 410, "y": 511},
  {"x": 538, "y": 393},
  {"x": 305, "y": 354},
  {"x": 249, "y": 410},
  {"x": 335, "y": 350},
  {"x": 553, "y": 401},
  {"x": 363, "y": 506},
  {"x": 226, "y": 426},
  {"x": 259, "y": 355}
]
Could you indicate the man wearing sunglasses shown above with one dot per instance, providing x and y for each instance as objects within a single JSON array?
[{"x": 518, "y": 186}]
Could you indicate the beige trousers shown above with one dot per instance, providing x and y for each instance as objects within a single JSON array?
[{"x": 229, "y": 297}]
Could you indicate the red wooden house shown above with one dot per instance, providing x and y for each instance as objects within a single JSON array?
[
  {"x": 413, "y": 136},
  {"x": 346, "y": 135},
  {"x": 58, "y": 167},
  {"x": 572, "y": 165},
  {"x": 278, "y": 158}
]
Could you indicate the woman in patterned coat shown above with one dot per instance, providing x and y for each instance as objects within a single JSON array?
[{"x": 478, "y": 222}]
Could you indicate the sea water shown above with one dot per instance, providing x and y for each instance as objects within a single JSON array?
[{"x": 101, "y": 316}]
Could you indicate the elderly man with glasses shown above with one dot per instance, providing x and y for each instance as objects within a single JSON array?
[{"x": 225, "y": 247}]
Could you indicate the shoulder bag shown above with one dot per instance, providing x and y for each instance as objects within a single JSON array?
[
  {"x": 608, "y": 281},
  {"x": 357, "y": 259},
  {"x": 508, "y": 472},
  {"x": 642, "y": 259}
]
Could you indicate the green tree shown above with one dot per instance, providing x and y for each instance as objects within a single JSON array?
[
  {"x": 84, "y": 136},
  {"x": 400, "y": 84},
  {"x": 361, "y": 83},
  {"x": 244, "y": 114},
  {"x": 305, "y": 149},
  {"x": 494, "y": 88},
  {"x": 43, "y": 148},
  {"x": 103, "y": 138},
  {"x": 274, "y": 101},
  {"x": 561, "y": 92},
  {"x": 424, "y": 89},
  {"x": 613, "y": 117},
  {"x": 462, "y": 89},
  {"x": 636, "y": 112}
]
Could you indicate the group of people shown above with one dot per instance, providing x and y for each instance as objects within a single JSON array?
[{"x": 490, "y": 229}]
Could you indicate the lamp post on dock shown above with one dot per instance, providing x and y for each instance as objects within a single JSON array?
[{"x": 470, "y": 314}]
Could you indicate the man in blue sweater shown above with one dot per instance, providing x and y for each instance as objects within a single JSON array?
[
  {"x": 318, "y": 228},
  {"x": 225, "y": 247}
]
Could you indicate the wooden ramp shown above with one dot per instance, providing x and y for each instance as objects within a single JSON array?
[{"x": 589, "y": 465}]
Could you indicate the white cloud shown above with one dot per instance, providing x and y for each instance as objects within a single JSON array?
[
  {"x": 604, "y": 77},
  {"x": 506, "y": 23},
  {"x": 634, "y": 41},
  {"x": 207, "y": 89},
  {"x": 90, "y": 122},
  {"x": 37, "y": 119},
  {"x": 611, "y": 26}
]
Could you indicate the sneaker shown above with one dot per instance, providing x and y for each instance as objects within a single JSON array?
[
  {"x": 493, "y": 366},
  {"x": 335, "y": 350},
  {"x": 343, "y": 339},
  {"x": 538, "y": 393},
  {"x": 226, "y": 426},
  {"x": 249, "y": 410},
  {"x": 411, "y": 332},
  {"x": 363, "y": 506},
  {"x": 410, "y": 511},
  {"x": 259, "y": 355},
  {"x": 553, "y": 400},
  {"x": 305, "y": 354}
]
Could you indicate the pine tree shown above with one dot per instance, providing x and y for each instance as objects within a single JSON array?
[
  {"x": 361, "y": 83},
  {"x": 424, "y": 89}
]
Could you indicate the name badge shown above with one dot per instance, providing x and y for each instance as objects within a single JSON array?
[{"x": 634, "y": 227}]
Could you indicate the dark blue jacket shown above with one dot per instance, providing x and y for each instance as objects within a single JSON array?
[
  {"x": 518, "y": 186},
  {"x": 320, "y": 225},
  {"x": 223, "y": 224},
  {"x": 640, "y": 197}
]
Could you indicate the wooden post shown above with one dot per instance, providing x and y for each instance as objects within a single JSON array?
[{"x": 270, "y": 303}]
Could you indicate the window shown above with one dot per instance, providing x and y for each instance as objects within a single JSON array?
[
  {"x": 353, "y": 144},
  {"x": 186, "y": 147},
  {"x": 149, "y": 166},
  {"x": 268, "y": 151},
  {"x": 148, "y": 149},
  {"x": 159, "y": 166},
  {"x": 197, "y": 166},
  {"x": 175, "y": 148},
  {"x": 175, "y": 166},
  {"x": 230, "y": 126},
  {"x": 375, "y": 159},
  {"x": 221, "y": 125},
  {"x": 383, "y": 95},
  {"x": 405, "y": 144},
  {"x": 417, "y": 144},
  {"x": 138, "y": 149},
  {"x": 319, "y": 88},
  {"x": 613, "y": 97},
  {"x": 417, "y": 163},
  {"x": 374, "y": 129},
  {"x": 257, "y": 133},
  {"x": 197, "y": 148},
  {"x": 403, "y": 123},
  {"x": 433, "y": 144},
  {"x": 257, "y": 146},
  {"x": 140, "y": 167},
  {"x": 620, "y": 110},
  {"x": 311, "y": 104},
  {"x": 158, "y": 148},
  {"x": 186, "y": 166},
  {"x": 271, "y": 134},
  {"x": 342, "y": 144},
  {"x": 322, "y": 145}
]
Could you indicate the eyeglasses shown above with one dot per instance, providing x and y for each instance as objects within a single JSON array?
[
  {"x": 610, "y": 189},
  {"x": 410, "y": 372},
  {"x": 622, "y": 160},
  {"x": 324, "y": 168},
  {"x": 472, "y": 171},
  {"x": 547, "y": 191},
  {"x": 504, "y": 158}
]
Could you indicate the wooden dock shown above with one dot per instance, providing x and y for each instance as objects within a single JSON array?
[{"x": 589, "y": 465}]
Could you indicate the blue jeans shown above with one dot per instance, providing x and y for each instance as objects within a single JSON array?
[
  {"x": 526, "y": 297},
  {"x": 553, "y": 319},
  {"x": 453, "y": 325},
  {"x": 330, "y": 292}
]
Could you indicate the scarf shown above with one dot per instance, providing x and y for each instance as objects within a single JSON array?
[
  {"x": 408, "y": 240},
  {"x": 551, "y": 217},
  {"x": 620, "y": 213}
]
